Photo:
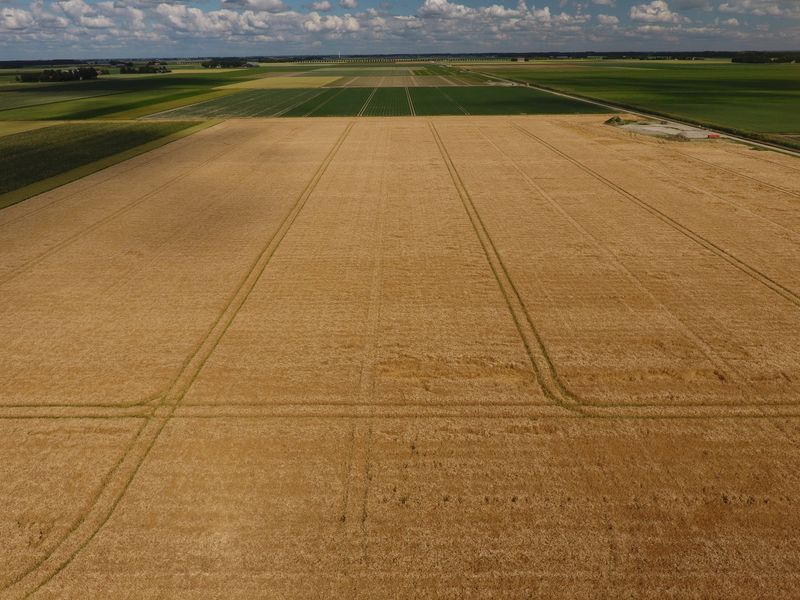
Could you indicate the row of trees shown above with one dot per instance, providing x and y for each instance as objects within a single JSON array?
[
  {"x": 225, "y": 63},
  {"x": 79, "y": 74},
  {"x": 766, "y": 57},
  {"x": 151, "y": 67}
]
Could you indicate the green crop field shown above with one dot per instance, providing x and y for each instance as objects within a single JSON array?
[
  {"x": 116, "y": 97},
  {"x": 433, "y": 101},
  {"x": 245, "y": 103},
  {"x": 756, "y": 98},
  {"x": 18, "y": 97},
  {"x": 349, "y": 102},
  {"x": 30, "y": 156},
  {"x": 388, "y": 102},
  {"x": 122, "y": 105},
  {"x": 341, "y": 102},
  {"x": 201, "y": 94},
  {"x": 489, "y": 100},
  {"x": 362, "y": 72}
]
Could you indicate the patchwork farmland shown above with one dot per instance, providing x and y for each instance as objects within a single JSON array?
[
  {"x": 394, "y": 331},
  {"x": 354, "y": 355},
  {"x": 381, "y": 100}
]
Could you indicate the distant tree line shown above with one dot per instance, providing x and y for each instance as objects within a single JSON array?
[
  {"x": 31, "y": 64},
  {"x": 225, "y": 63},
  {"x": 766, "y": 57},
  {"x": 79, "y": 74},
  {"x": 153, "y": 66}
]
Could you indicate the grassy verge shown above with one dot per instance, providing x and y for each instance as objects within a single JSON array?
[
  {"x": 12, "y": 127},
  {"x": 36, "y": 161}
]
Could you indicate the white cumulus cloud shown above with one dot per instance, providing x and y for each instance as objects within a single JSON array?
[
  {"x": 607, "y": 20},
  {"x": 15, "y": 19},
  {"x": 331, "y": 23},
  {"x": 656, "y": 11},
  {"x": 259, "y": 5},
  {"x": 763, "y": 8}
]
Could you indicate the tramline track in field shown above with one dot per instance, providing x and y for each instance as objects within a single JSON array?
[
  {"x": 764, "y": 279},
  {"x": 98, "y": 513}
]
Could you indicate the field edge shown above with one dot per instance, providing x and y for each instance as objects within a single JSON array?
[{"x": 50, "y": 183}]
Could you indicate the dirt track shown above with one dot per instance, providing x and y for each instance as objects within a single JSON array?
[{"x": 452, "y": 357}]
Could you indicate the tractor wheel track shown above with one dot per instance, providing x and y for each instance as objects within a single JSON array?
[
  {"x": 122, "y": 475},
  {"x": 741, "y": 175},
  {"x": 739, "y": 264},
  {"x": 542, "y": 365}
]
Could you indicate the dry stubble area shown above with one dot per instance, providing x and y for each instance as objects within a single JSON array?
[{"x": 448, "y": 357}]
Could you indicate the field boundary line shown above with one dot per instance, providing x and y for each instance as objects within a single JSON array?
[
  {"x": 50, "y": 183},
  {"x": 128, "y": 404},
  {"x": 650, "y": 115},
  {"x": 98, "y": 513},
  {"x": 76, "y": 412},
  {"x": 366, "y": 102},
  {"x": 472, "y": 404},
  {"x": 590, "y": 413},
  {"x": 410, "y": 103},
  {"x": 709, "y": 352},
  {"x": 379, "y": 409},
  {"x": 99, "y": 223},
  {"x": 434, "y": 411},
  {"x": 89, "y": 187},
  {"x": 49, "y": 102},
  {"x": 742, "y": 266},
  {"x": 422, "y": 412},
  {"x": 543, "y": 367}
]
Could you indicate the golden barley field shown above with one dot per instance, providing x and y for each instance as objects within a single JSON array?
[{"x": 447, "y": 357}]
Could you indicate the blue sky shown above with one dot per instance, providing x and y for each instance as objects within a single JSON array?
[{"x": 140, "y": 28}]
